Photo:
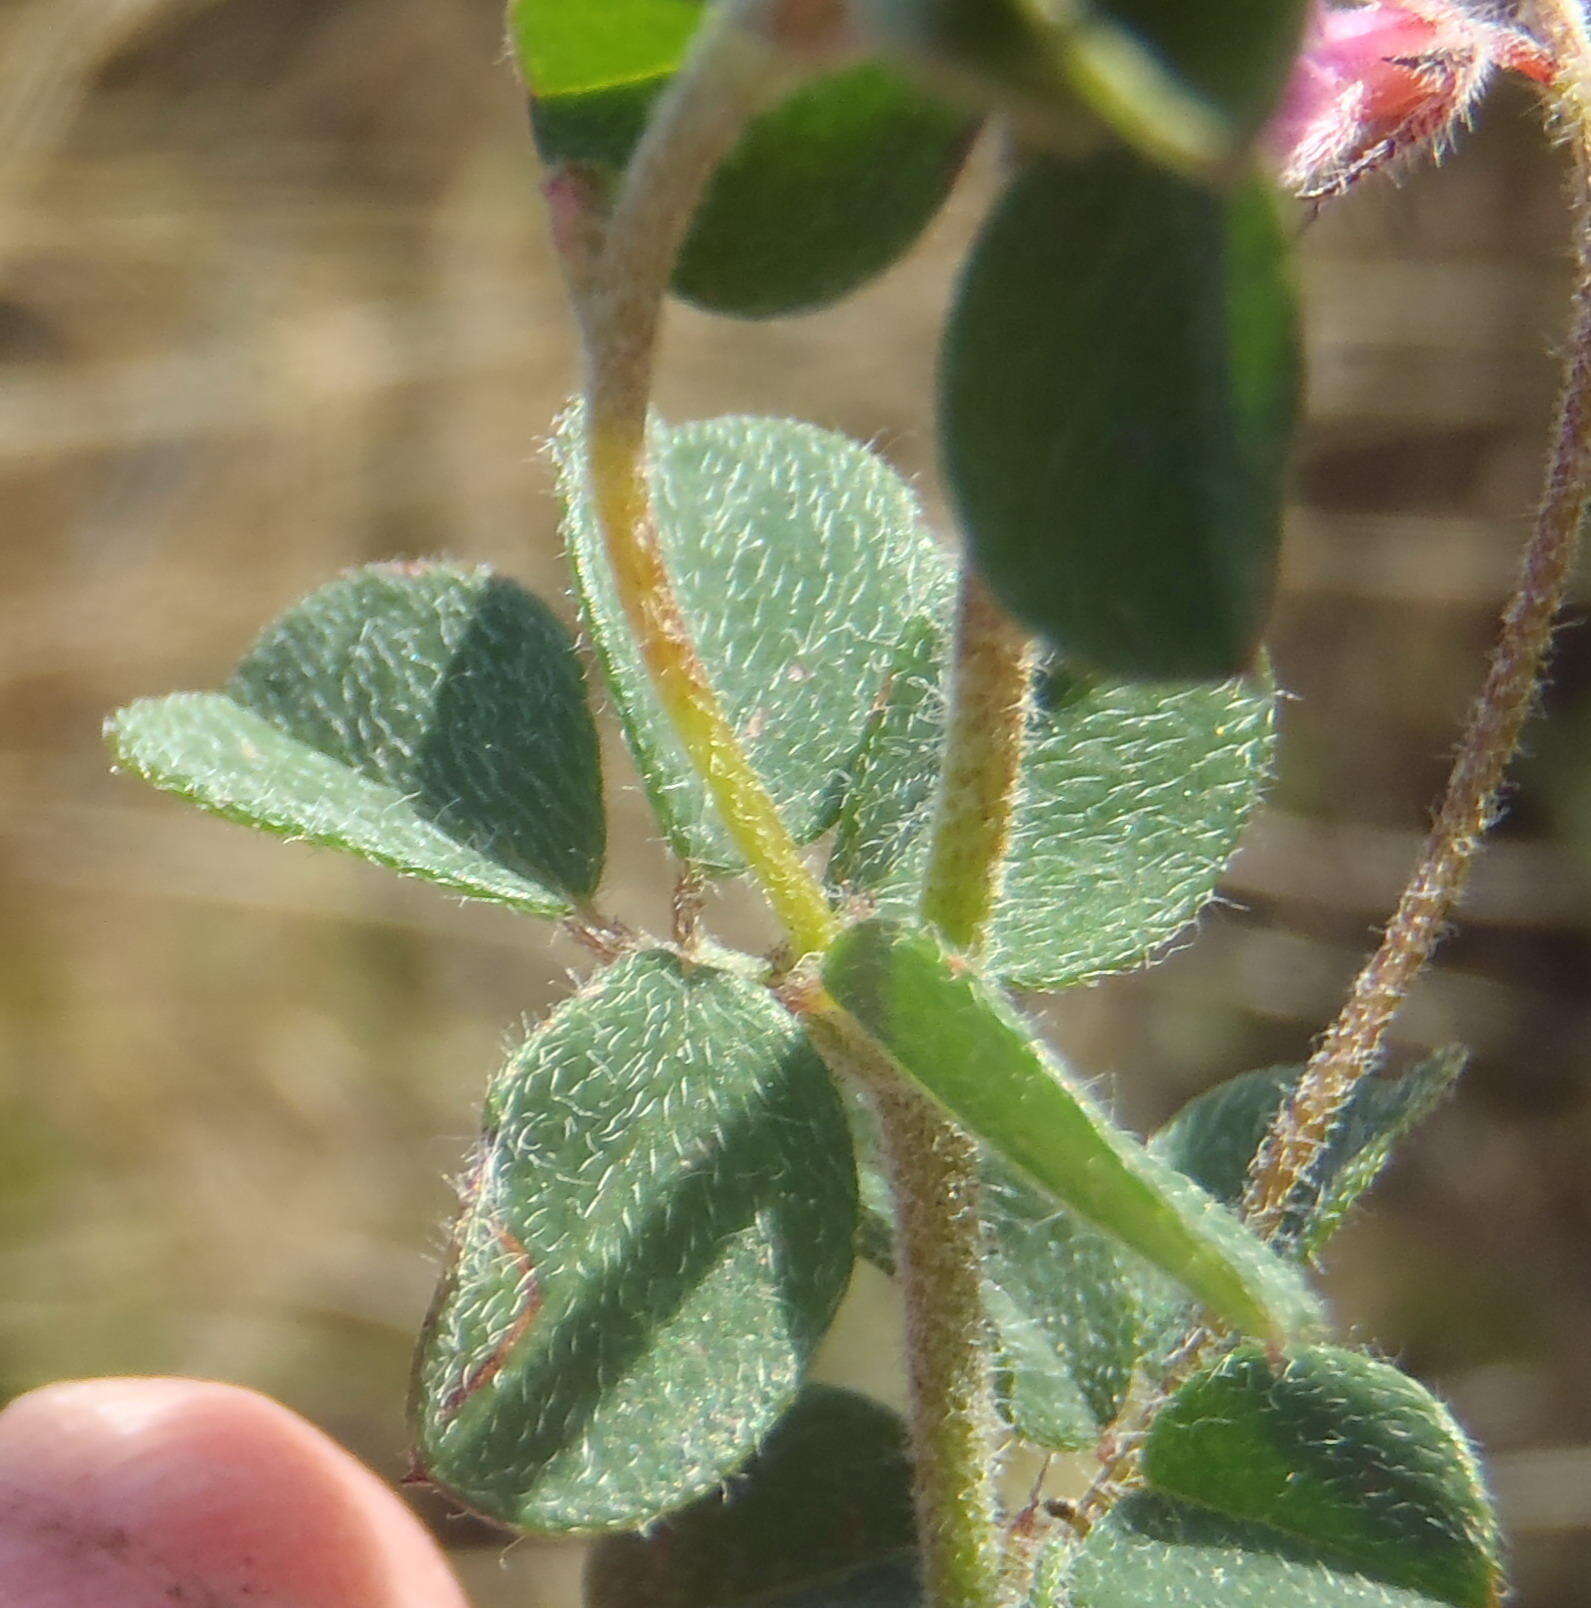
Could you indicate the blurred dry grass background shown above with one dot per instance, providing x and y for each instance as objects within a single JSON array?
[{"x": 274, "y": 299}]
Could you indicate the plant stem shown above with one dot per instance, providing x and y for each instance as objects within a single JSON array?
[
  {"x": 619, "y": 297},
  {"x": 1351, "y": 1047},
  {"x": 933, "y": 1171},
  {"x": 933, "y": 1164},
  {"x": 1120, "y": 1448},
  {"x": 1353, "y": 1044},
  {"x": 731, "y": 72},
  {"x": 939, "y": 1260},
  {"x": 978, "y": 784}
]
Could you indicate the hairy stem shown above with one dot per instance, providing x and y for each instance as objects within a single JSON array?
[
  {"x": 1353, "y": 1044},
  {"x": 933, "y": 1165},
  {"x": 731, "y": 73},
  {"x": 979, "y": 779},
  {"x": 939, "y": 1258},
  {"x": 1469, "y": 804},
  {"x": 1121, "y": 1446},
  {"x": 619, "y": 291},
  {"x": 933, "y": 1170}
]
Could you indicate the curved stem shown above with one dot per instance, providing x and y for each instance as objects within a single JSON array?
[
  {"x": 1354, "y": 1042},
  {"x": 619, "y": 291},
  {"x": 978, "y": 784},
  {"x": 731, "y": 73}
]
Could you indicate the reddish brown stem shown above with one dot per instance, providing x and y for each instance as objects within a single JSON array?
[{"x": 1353, "y": 1044}]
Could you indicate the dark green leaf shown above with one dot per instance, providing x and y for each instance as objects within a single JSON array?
[
  {"x": 821, "y": 194},
  {"x": 978, "y": 1059},
  {"x": 800, "y": 561},
  {"x": 1328, "y": 1480},
  {"x": 593, "y": 132},
  {"x": 823, "y": 191},
  {"x": 1132, "y": 801},
  {"x": 829, "y": 1492},
  {"x": 1214, "y": 1138},
  {"x": 657, "y": 1228},
  {"x": 891, "y": 1584},
  {"x": 427, "y": 717},
  {"x": 1117, "y": 396}
]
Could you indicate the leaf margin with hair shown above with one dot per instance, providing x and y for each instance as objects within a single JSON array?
[
  {"x": 1193, "y": 766},
  {"x": 1198, "y": 1140},
  {"x": 553, "y": 1339},
  {"x": 1255, "y": 1471},
  {"x": 935, "y": 1018},
  {"x": 357, "y": 720},
  {"x": 896, "y": 567}
]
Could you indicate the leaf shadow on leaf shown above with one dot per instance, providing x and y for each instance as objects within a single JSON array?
[
  {"x": 826, "y": 1501},
  {"x": 537, "y": 1406},
  {"x": 1153, "y": 1552},
  {"x": 390, "y": 701},
  {"x": 1340, "y": 1452},
  {"x": 448, "y": 775}
]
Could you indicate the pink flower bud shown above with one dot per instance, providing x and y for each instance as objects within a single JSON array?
[{"x": 1379, "y": 79}]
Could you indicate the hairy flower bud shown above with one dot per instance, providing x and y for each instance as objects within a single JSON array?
[{"x": 1376, "y": 80}]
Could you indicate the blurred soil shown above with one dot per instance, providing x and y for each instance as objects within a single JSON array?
[{"x": 275, "y": 299}]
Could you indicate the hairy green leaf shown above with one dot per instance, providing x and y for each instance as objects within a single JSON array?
[
  {"x": 1132, "y": 800},
  {"x": 1214, "y": 1138},
  {"x": 427, "y": 717},
  {"x": 657, "y": 1227},
  {"x": 1149, "y": 1552},
  {"x": 978, "y": 1059},
  {"x": 828, "y": 1493},
  {"x": 1340, "y": 1450},
  {"x": 1326, "y": 1479},
  {"x": 800, "y": 560},
  {"x": 1118, "y": 388}
]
